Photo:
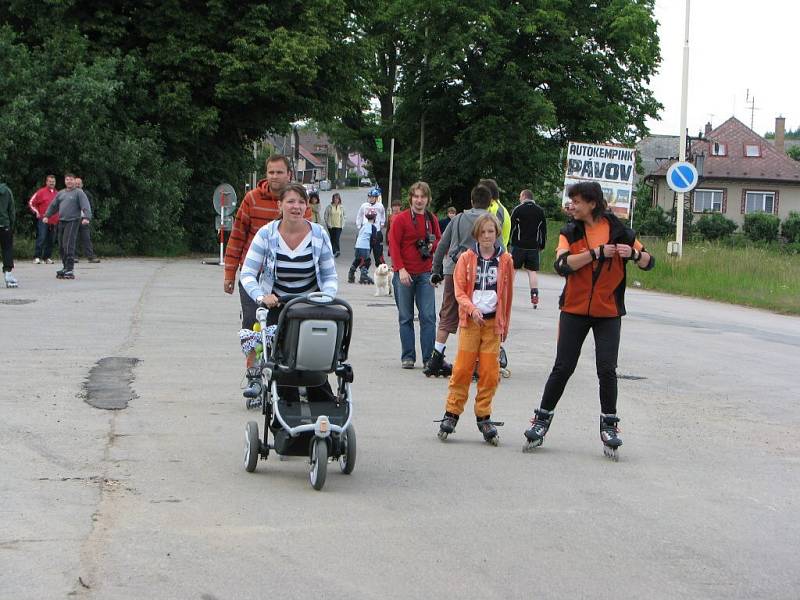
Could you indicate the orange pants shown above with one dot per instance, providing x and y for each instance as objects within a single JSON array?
[{"x": 475, "y": 343}]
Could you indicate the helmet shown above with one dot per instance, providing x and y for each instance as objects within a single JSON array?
[
  {"x": 374, "y": 192},
  {"x": 371, "y": 214}
]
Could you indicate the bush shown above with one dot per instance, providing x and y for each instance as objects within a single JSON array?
[
  {"x": 791, "y": 227},
  {"x": 715, "y": 227},
  {"x": 651, "y": 220},
  {"x": 761, "y": 227}
]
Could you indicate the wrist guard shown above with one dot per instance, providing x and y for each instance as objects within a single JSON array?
[{"x": 562, "y": 267}]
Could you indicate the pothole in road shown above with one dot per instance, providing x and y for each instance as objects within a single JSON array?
[
  {"x": 109, "y": 384},
  {"x": 17, "y": 301}
]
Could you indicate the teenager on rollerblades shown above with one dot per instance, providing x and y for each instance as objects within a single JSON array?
[
  {"x": 484, "y": 284},
  {"x": 592, "y": 255},
  {"x": 455, "y": 239}
]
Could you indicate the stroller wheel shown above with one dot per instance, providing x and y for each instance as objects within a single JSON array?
[
  {"x": 319, "y": 463},
  {"x": 251, "y": 446},
  {"x": 347, "y": 460}
]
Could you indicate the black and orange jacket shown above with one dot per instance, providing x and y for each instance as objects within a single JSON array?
[{"x": 596, "y": 289}]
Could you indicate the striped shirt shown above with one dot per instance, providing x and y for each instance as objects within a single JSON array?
[{"x": 294, "y": 269}]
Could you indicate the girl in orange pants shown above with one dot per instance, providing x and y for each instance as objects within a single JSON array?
[{"x": 484, "y": 283}]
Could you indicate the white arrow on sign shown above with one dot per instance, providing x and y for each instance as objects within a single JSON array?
[{"x": 682, "y": 177}]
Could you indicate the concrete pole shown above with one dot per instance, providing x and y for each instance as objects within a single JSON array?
[
  {"x": 391, "y": 176},
  {"x": 682, "y": 149}
]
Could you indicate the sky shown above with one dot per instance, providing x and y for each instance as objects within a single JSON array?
[{"x": 734, "y": 46}]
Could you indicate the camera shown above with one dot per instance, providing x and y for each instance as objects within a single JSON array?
[{"x": 425, "y": 244}]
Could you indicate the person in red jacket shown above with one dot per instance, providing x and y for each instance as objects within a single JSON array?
[
  {"x": 593, "y": 252},
  {"x": 45, "y": 232},
  {"x": 484, "y": 288},
  {"x": 259, "y": 207},
  {"x": 414, "y": 236}
]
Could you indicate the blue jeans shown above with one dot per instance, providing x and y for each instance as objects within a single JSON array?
[
  {"x": 44, "y": 240},
  {"x": 422, "y": 293}
]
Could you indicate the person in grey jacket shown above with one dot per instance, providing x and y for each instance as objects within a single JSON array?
[
  {"x": 456, "y": 238},
  {"x": 73, "y": 208},
  {"x": 8, "y": 215}
]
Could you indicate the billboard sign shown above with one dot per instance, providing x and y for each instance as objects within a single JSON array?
[{"x": 612, "y": 167}]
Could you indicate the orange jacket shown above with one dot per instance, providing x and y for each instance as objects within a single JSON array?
[
  {"x": 464, "y": 284},
  {"x": 596, "y": 289}
]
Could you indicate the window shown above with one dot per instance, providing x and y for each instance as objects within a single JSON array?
[
  {"x": 718, "y": 149},
  {"x": 753, "y": 150},
  {"x": 759, "y": 202},
  {"x": 707, "y": 201}
]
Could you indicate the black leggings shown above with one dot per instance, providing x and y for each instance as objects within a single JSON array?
[
  {"x": 7, "y": 247},
  {"x": 572, "y": 331}
]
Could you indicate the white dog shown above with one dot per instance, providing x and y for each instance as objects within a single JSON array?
[{"x": 383, "y": 284}]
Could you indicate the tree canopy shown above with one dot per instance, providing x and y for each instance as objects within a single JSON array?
[
  {"x": 155, "y": 102},
  {"x": 495, "y": 89}
]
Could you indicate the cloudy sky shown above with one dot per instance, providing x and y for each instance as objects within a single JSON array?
[{"x": 734, "y": 46}]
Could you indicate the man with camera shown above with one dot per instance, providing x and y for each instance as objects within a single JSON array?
[{"x": 415, "y": 235}]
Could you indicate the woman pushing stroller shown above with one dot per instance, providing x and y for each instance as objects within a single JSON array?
[{"x": 292, "y": 256}]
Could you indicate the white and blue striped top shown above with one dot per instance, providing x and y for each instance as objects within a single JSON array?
[
  {"x": 260, "y": 268},
  {"x": 294, "y": 269}
]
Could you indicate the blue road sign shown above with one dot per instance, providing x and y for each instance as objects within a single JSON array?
[{"x": 682, "y": 177}]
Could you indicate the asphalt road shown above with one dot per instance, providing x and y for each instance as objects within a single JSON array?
[{"x": 151, "y": 501}]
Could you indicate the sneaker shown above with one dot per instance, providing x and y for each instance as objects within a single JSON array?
[
  {"x": 94, "y": 260},
  {"x": 37, "y": 261},
  {"x": 48, "y": 261},
  {"x": 407, "y": 363},
  {"x": 68, "y": 275}
]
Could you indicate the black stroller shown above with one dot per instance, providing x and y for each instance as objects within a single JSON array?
[{"x": 311, "y": 340}]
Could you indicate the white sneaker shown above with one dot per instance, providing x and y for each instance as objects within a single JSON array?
[
  {"x": 49, "y": 261},
  {"x": 37, "y": 261}
]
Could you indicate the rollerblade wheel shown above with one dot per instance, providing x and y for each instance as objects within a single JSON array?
[
  {"x": 612, "y": 453},
  {"x": 495, "y": 441},
  {"x": 506, "y": 373},
  {"x": 442, "y": 435},
  {"x": 530, "y": 446}
]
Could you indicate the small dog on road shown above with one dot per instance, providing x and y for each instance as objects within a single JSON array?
[{"x": 383, "y": 284}]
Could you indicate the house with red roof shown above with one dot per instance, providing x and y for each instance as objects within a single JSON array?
[{"x": 741, "y": 173}]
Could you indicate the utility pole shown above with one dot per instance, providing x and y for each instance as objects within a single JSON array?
[{"x": 682, "y": 143}]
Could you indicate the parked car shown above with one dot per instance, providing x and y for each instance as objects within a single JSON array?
[
  {"x": 365, "y": 181},
  {"x": 325, "y": 185}
]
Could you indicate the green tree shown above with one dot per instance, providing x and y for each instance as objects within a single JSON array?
[
  {"x": 793, "y": 152},
  {"x": 203, "y": 79},
  {"x": 496, "y": 89}
]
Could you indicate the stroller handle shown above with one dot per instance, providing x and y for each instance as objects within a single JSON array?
[{"x": 319, "y": 298}]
